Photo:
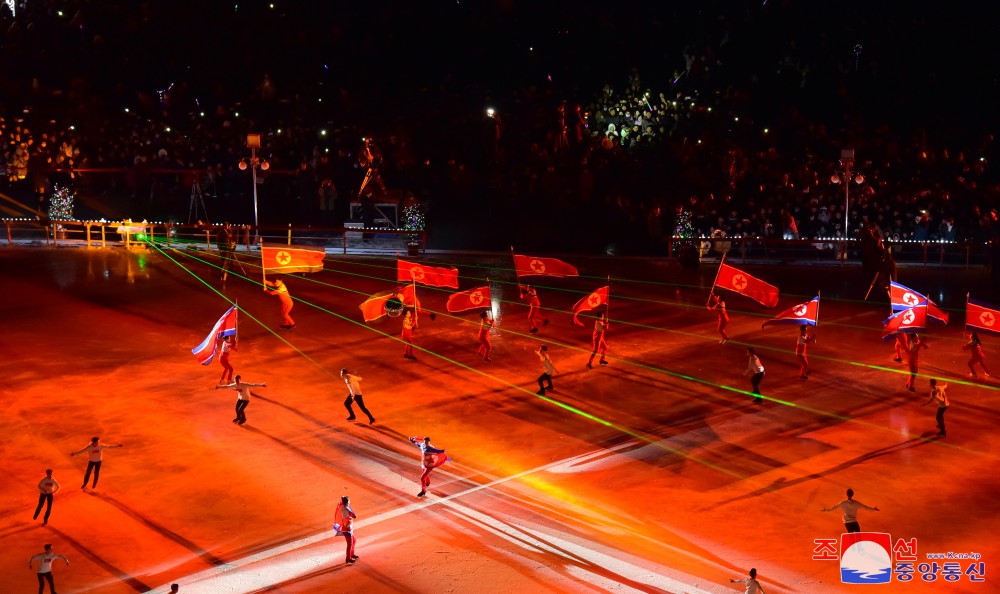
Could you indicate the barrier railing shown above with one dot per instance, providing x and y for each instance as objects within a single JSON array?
[{"x": 135, "y": 233}]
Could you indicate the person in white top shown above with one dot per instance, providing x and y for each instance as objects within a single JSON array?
[
  {"x": 756, "y": 372},
  {"x": 548, "y": 370},
  {"x": 750, "y": 583},
  {"x": 938, "y": 392},
  {"x": 850, "y": 508},
  {"x": 47, "y": 487},
  {"x": 354, "y": 395},
  {"x": 45, "y": 568},
  {"x": 94, "y": 449},
  {"x": 242, "y": 397},
  {"x": 345, "y": 517}
]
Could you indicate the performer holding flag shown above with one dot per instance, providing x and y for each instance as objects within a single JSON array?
[
  {"x": 432, "y": 458},
  {"x": 598, "y": 300},
  {"x": 533, "y": 266},
  {"x": 717, "y": 304},
  {"x": 747, "y": 285},
  {"x": 485, "y": 326},
  {"x": 226, "y": 326}
]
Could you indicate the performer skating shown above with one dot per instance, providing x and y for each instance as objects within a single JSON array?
[
  {"x": 599, "y": 343},
  {"x": 354, "y": 395},
  {"x": 756, "y": 372},
  {"x": 228, "y": 345},
  {"x": 975, "y": 348},
  {"x": 344, "y": 518},
  {"x": 750, "y": 583},
  {"x": 432, "y": 458},
  {"x": 95, "y": 450},
  {"x": 916, "y": 344},
  {"x": 850, "y": 507},
  {"x": 548, "y": 370},
  {"x": 409, "y": 325},
  {"x": 277, "y": 287},
  {"x": 47, "y": 487},
  {"x": 242, "y": 397},
  {"x": 44, "y": 571},
  {"x": 939, "y": 394},
  {"x": 717, "y": 304},
  {"x": 801, "y": 342},
  {"x": 485, "y": 326},
  {"x": 529, "y": 294},
  {"x": 902, "y": 347}
]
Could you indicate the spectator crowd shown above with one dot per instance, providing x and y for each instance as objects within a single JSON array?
[{"x": 698, "y": 121}]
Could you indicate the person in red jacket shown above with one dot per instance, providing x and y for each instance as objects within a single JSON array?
[
  {"x": 344, "y": 518},
  {"x": 599, "y": 343},
  {"x": 529, "y": 294},
  {"x": 485, "y": 326},
  {"x": 228, "y": 345},
  {"x": 717, "y": 304},
  {"x": 916, "y": 344},
  {"x": 432, "y": 458},
  {"x": 409, "y": 325},
  {"x": 801, "y": 343},
  {"x": 975, "y": 348},
  {"x": 277, "y": 287}
]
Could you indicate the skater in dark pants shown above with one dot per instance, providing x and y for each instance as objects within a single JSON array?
[
  {"x": 354, "y": 395},
  {"x": 94, "y": 449},
  {"x": 939, "y": 393},
  {"x": 44, "y": 572},
  {"x": 242, "y": 397},
  {"x": 47, "y": 487},
  {"x": 548, "y": 370},
  {"x": 756, "y": 372},
  {"x": 850, "y": 507}
]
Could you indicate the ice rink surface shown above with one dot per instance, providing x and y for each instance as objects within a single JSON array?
[{"x": 655, "y": 473}]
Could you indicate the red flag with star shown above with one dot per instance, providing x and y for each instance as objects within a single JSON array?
[
  {"x": 478, "y": 298},
  {"x": 286, "y": 259},
  {"x": 982, "y": 317},
  {"x": 590, "y": 303},
  {"x": 432, "y": 276},
  {"x": 913, "y": 319},
  {"x": 902, "y": 297},
  {"x": 532, "y": 266},
  {"x": 803, "y": 313},
  {"x": 740, "y": 282},
  {"x": 373, "y": 308}
]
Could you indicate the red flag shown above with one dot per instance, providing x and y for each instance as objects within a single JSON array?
[
  {"x": 982, "y": 317},
  {"x": 432, "y": 276},
  {"x": 226, "y": 326},
  {"x": 531, "y": 266},
  {"x": 590, "y": 303},
  {"x": 903, "y": 297},
  {"x": 286, "y": 259},
  {"x": 912, "y": 319},
  {"x": 803, "y": 313},
  {"x": 373, "y": 308},
  {"x": 472, "y": 299},
  {"x": 746, "y": 285}
]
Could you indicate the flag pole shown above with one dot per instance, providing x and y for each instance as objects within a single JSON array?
[
  {"x": 966, "y": 327},
  {"x": 263, "y": 269},
  {"x": 416, "y": 308},
  {"x": 516, "y": 275},
  {"x": 716, "y": 281},
  {"x": 818, "y": 299}
]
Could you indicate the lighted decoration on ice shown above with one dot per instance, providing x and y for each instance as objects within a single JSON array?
[{"x": 61, "y": 204}]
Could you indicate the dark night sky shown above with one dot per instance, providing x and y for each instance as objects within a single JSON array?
[{"x": 924, "y": 62}]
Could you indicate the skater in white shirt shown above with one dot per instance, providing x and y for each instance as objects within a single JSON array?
[
  {"x": 850, "y": 508},
  {"x": 95, "y": 449},
  {"x": 45, "y": 568}
]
